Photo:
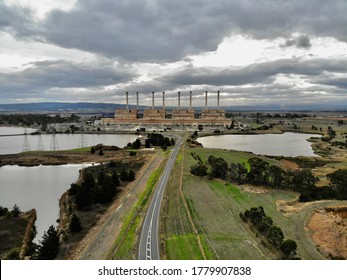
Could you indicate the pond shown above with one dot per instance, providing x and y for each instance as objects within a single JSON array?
[{"x": 287, "y": 144}]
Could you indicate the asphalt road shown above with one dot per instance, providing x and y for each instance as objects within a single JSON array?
[{"x": 149, "y": 240}]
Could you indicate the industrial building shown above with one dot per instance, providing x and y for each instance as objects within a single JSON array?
[{"x": 178, "y": 115}]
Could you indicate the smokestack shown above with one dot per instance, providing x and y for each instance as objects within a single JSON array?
[
  {"x": 137, "y": 100},
  {"x": 179, "y": 100},
  {"x": 217, "y": 100},
  {"x": 152, "y": 99},
  {"x": 164, "y": 100},
  {"x": 127, "y": 100},
  {"x": 206, "y": 99},
  {"x": 190, "y": 100}
]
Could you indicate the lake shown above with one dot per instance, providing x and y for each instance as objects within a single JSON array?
[
  {"x": 41, "y": 187},
  {"x": 37, "y": 187},
  {"x": 15, "y": 144},
  {"x": 287, "y": 144}
]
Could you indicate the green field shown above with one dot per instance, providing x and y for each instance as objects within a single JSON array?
[{"x": 215, "y": 205}]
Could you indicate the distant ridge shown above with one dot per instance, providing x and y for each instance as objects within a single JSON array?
[
  {"x": 89, "y": 107},
  {"x": 58, "y": 107}
]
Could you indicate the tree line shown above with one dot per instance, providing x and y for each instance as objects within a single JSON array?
[
  {"x": 99, "y": 187},
  {"x": 259, "y": 172},
  {"x": 264, "y": 224},
  {"x": 36, "y": 119},
  {"x": 153, "y": 139}
]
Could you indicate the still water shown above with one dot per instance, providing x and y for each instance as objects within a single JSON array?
[
  {"x": 15, "y": 144},
  {"x": 9, "y": 130},
  {"x": 286, "y": 144},
  {"x": 41, "y": 187},
  {"x": 37, "y": 187}
]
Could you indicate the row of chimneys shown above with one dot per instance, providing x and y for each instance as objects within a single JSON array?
[{"x": 179, "y": 100}]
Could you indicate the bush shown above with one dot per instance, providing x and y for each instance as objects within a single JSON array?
[
  {"x": 75, "y": 224},
  {"x": 199, "y": 170}
]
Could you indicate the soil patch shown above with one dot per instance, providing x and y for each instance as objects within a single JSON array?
[
  {"x": 254, "y": 189},
  {"x": 329, "y": 231}
]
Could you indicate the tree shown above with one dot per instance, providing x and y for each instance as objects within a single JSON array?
[
  {"x": 199, "y": 170},
  {"x": 305, "y": 183},
  {"x": 115, "y": 178},
  {"x": 276, "y": 176},
  {"x": 49, "y": 245},
  {"x": 219, "y": 167},
  {"x": 101, "y": 153},
  {"x": 258, "y": 171},
  {"x": 3, "y": 211},
  {"x": 147, "y": 143},
  {"x": 15, "y": 211},
  {"x": 288, "y": 247},
  {"x": 275, "y": 236},
  {"x": 339, "y": 181},
  {"x": 92, "y": 150},
  {"x": 238, "y": 172},
  {"x": 131, "y": 175},
  {"x": 123, "y": 175},
  {"x": 136, "y": 144},
  {"x": 75, "y": 223}
]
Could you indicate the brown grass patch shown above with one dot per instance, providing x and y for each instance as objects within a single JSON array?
[{"x": 329, "y": 232}]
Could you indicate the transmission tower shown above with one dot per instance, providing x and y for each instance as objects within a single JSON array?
[
  {"x": 40, "y": 144},
  {"x": 26, "y": 144},
  {"x": 82, "y": 141},
  {"x": 54, "y": 143}
]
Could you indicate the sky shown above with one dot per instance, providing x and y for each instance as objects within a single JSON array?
[{"x": 255, "y": 52}]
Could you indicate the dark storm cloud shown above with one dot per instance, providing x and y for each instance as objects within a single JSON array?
[
  {"x": 154, "y": 30},
  {"x": 256, "y": 73},
  {"x": 302, "y": 41},
  {"x": 61, "y": 74}
]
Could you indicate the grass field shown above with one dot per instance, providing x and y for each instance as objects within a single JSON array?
[{"x": 215, "y": 206}]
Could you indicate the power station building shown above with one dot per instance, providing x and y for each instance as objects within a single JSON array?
[{"x": 178, "y": 115}]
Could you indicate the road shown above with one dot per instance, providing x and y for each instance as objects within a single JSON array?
[{"x": 149, "y": 241}]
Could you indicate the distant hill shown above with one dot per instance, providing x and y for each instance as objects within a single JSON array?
[
  {"x": 59, "y": 107},
  {"x": 108, "y": 108}
]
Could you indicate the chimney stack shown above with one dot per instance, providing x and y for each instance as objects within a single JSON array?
[
  {"x": 218, "y": 100},
  {"x": 152, "y": 99},
  {"x": 137, "y": 100},
  {"x": 179, "y": 100},
  {"x": 190, "y": 100},
  {"x": 127, "y": 100},
  {"x": 164, "y": 100},
  {"x": 206, "y": 100}
]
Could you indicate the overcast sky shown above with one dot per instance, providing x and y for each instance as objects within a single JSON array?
[{"x": 255, "y": 52}]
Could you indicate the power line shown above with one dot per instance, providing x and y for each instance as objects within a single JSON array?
[{"x": 54, "y": 143}]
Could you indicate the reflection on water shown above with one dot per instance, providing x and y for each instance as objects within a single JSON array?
[
  {"x": 286, "y": 144},
  {"x": 14, "y": 144},
  {"x": 37, "y": 187}
]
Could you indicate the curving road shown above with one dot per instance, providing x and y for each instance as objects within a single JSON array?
[{"x": 149, "y": 241}]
